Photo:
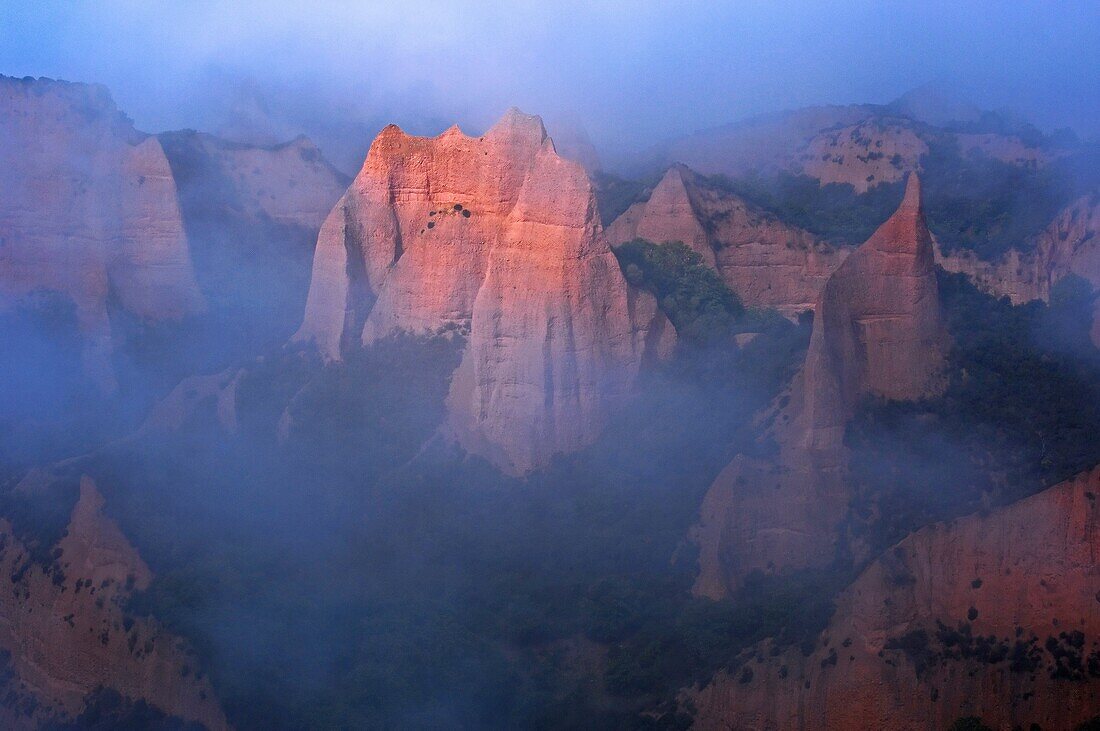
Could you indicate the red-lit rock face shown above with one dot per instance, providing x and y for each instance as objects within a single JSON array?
[
  {"x": 89, "y": 211},
  {"x": 497, "y": 238},
  {"x": 68, "y": 633},
  {"x": 877, "y": 326},
  {"x": 1023, "y": 580}
]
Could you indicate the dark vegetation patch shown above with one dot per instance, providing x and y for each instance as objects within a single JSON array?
[
  {"x": 834, "y": 211},
  {"x": 1064, "y": 654},
  {"x": 693, "y": 296},
  {"x": 409, "y": 585},
  {"x": 987, "y": 206},
  {"x": 106, "y": 709}
]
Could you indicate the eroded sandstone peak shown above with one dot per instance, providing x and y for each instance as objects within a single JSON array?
[
  {"x": 89, "y": 212},
  {"x": 668, "y": 215},
  {"x": 878, "y": 329},
  {"x": 498, "y": 239},
  {"x": 68, "y": 633},
  {"x": 991, "y": 615}
]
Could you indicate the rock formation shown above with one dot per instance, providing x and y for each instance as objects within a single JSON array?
[
  {"x": 1069, "y": 245},
  {"x": 291, "y": 183},
  {"x": 67, "y": 635},
  {"x": 877, "y": 325},
  {"x": 668, "y": 215},
  {"x": 877, "y": 331},
  {"x": 766, "y": 262},
  {"x": 496, "y": 238},
  {"x": 996, "y": 616},
  {"x": 89, "y": 211},
  {"x": 252, "y": 214},
  {"x": 863, "y": 155}
]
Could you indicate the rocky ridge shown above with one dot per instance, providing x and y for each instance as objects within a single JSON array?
[
  {"x": 1070, "y": 245},
  {"x": 67, "y": 634},
  {"x": 89, "y": 212},
  {"x": 495, "y": 239},
  {"x": 996, "y": 616}
]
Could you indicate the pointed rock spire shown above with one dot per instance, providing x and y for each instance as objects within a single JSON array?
[
  {"x": 877, "y": 325},
  {"x": 912, "y": 198},
  {"x": 906, "y": 230},
  {"x": 668, "y": 215}
]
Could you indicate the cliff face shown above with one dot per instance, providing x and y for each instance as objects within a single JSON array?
[
  {"x": 879, "y": 150},
  {"x": 496, "y": 238},
  {"x": 996, "y": 616},
  {"x": 68, "y": 635},
  {"x": 877, "y": 331},
  {"x": 252, "y": 214},
  {"x": 877, "y": 326},
  {"x": 766, "y": 262},
  {"x": 1069, "y": 245},
  {"x": 290, "y": 183},
  {"x": 89, "y": 211}
]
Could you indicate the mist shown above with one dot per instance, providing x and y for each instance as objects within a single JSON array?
[
  {"x": 632, "y": 74},
  {"x": 329, "y": 543}
]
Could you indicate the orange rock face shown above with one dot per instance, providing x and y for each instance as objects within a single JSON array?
[
  {"x": 877, "y": 331},
  {"x": 67, "y": 632},
  {"x": 89, "y": 211},
  {"x": 877, "y": 326},
  {"x": 996, "y": 616},
  {"x": 765, "y": 261},
  {"x": 497, "y": 238}
]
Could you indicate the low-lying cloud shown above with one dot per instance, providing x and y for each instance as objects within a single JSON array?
[{"x": 633, "y": 73}]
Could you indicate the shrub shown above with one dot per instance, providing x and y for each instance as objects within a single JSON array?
[{"x": 693, "y": 296}]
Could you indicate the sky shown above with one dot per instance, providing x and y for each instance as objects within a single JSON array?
[{"x": 631, "y": 73}]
